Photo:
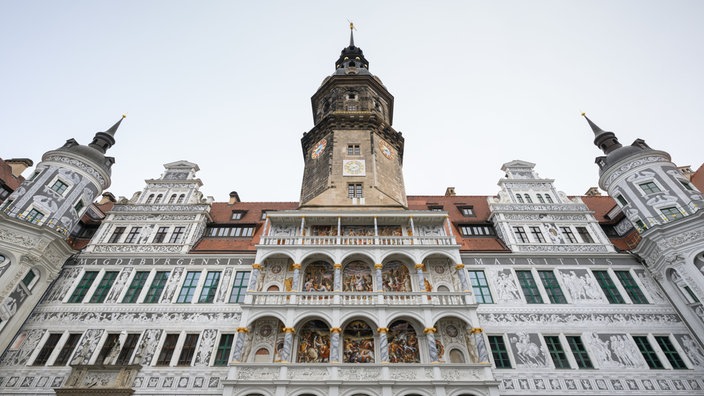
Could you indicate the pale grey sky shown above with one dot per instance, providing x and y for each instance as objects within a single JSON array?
[{"x": 227, "y": 84}]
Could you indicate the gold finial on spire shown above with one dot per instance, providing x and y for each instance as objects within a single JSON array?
[
  {"x": 351, "y": 25},
  {"x": 584, "y": 114},
  {"x": 124, "y": 115}
]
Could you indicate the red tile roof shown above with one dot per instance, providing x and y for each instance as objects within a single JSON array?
[
  {"x": 7, "y": 178},
  {"x": 698, "y": 178}
]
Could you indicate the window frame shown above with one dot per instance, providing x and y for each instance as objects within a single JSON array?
[
  {"x": 241, "y": 284},
  {"x": 608, "y": 287},
  {"x": 649, "y": 187},
  {"x": 671, "y": 354},
  {"x": 584, "y": 234},
  {"x": 648, "y": 352},
  {"x": 671, "y": 212},
  {"x": 188, "y": 349},
  {"x": 135, "y": 288},
  {"x": 117, "y": 233},
  {"x": 167, "y": 349},
  {"x": 354, "y": 149},
  {"x": 529, "y": 286},
  {"x": 101, "y": 291},
  {"x": 160, "y": 234},
  {"x": 579, "y": 352},
  {"x": 47, "y": 349},
  {"x": 188, "y": 288},
  {"x": 86, "y": 282},
  {"x": 210, "y": 287},
  {"x": 64, "y": 356},
  {"x": 156, "y": 288},
  {"x": 480, "y": 287},
  {"x": 133, "y": 235},
  {"x": 499, "y": 352},
  {"x": 62, "y": 188},
  {"x": 355, "y": 190},
  {"x": 552, "y": 287},
  {"x": 128, "y": 349},
  {"x": 224, "y": 350},
  {"x": 467, "y": 210},
  {"x": 521, "y": 235},
  {"x": 557, "y": 352},
  {"x": 177, "y": 234},
  {"x": 631, "y": 287},
  {"x": 567, "y": 232}
]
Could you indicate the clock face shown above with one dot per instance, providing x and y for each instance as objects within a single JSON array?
[
  {"x": 353, "y": 168},
  {"x": 386, "y": 150},
  {"x": 318, "y": 149}
]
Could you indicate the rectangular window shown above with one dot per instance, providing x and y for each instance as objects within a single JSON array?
[
  {"x": 34, "y": 216},
  {"x": 157, "y": 286},
  {"x": 649, "y": 187},
  {"x": 160, "y": 234},
  {"x": 47, "y": 349},
  {"x": 436, "y": 208},
  {"x": 641, "y": 226},
  {"x": 103, "y": 287},
  {"x": 567, "y": 232},
  {"x": 559, "y": 358},
  {"x": 648, "y": 352},
  {"x": 133, "y": 234},
  {"x": 28, "y": 278},
  {"x": 167, "y": 350},
  {"x": 530, "y": 288},
  {"x": 127, "y": 349},
  {"x": 177, "y": 235},
  {"x": 499, "y": 352},
  {"x": 354, "y": 190},
  {"x": 686, "y": 185},
  {"x": 67, "y": 350},
  {"x": 584, "y": 234},
  {"x": 353, "y": 149},
  {"x": 83, "y": 286},
  {"x": 579, "y": 352},
  {"x": 189, "y": 287},
  {"x": 135, "y": 288},
  {"x": 552, "y": 287},
  {"x": 467, "y": 211},
  {"x": 107, "y": 347},
  {"x": 78, "y": 206},
  {"x": 631, "y": 287},
  {"x": 537, "y": 234},
  {"x": 608, "y": 287},
  {"x": 59, "y": 187},
  {"x": 691, "y": 294},
  {"x": 521, "y": 235},
  {"x": 480, "y": 287},
  {"x": 237, "y": 214},
  {"x": 189, "y": 348},
  {"x": 621, "y": 200},
  {"x": 477, "y": 230},
  {"x": 239, "y": 286},
  {"x": 207, "y": 295},
  {"x": 222, "y": 357},
  {"x": 671, "y": 213},
  {"x": 115, "y": 237},
  {"x": 671, "y": 353}
]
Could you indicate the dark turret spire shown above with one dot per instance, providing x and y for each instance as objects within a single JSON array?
[
  {"x": 351, "y": 34},
  {"x": 352, "y": 60},
  {"x": 104, "y": 140},
  {"x": 606, "y": 141}
]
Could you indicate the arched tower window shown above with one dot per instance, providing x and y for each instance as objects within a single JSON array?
[
  {"x": 181, "y": 198},
  {"x": 528, "y": 198},
  {"x": 172, "y": 199},
  {"x": 519, "y": 198},
  {"x": 150, "y": 198},
  {"x": 159, "y": 198},
  {"x": 540, "y": 198},
  {"x": 548, "y": 198}
]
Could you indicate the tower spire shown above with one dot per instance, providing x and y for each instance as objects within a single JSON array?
[
  {"x": 606, "y": 141},
  {"x": 351, "y": 34},
  {"x": 104, "y": 140}
]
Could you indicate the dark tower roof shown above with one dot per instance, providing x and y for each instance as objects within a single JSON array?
[
  {"x": 615, "y": 151},
  {"x": 104, "y": 140},
  {"x": 352, "y": 60}
]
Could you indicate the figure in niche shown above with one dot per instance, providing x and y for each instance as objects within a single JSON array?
[
  {"x": 403, "y": 343},
  {"x": 314, "y": 343},
  {"x": 358, "y": 343},
  {"x": 395, "y": 277},
  {"x": 441, "y": 348},
  {"x": 357, "y": 277},
  {"x": 318, "y": 277}
]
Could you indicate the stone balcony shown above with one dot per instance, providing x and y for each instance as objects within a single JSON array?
[
  {"x": 351, "y": 299},
  {"x": 358, "y": 240}
]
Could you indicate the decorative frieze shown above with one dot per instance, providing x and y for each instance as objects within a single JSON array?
[
  {"x": 141, "y": 317},
  {"x": 161, "y": 208},
  {"x": 595, "y": 319}
]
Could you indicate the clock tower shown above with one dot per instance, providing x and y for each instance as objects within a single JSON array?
[{"x": 353, "y": 157}]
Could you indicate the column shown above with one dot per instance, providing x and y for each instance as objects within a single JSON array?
[
  {"x": 432, "y": 347},
  {"x": 481, "y": 346},
  {"x": 288, "y": 344},
  {"x": 296, "y": 278},
  {"x": 239, "y": 343},
  {"x": 254, "y": 277},
  {"x": 335, "y": 344},
  {"x": 379, "y": 279},
  {"x": 413, "y": 231},
  {"x": 421, "y": 277},
  {"x": 463, "y": 277},
  {"x": 383, "y": 344},
  {"x": 337, "y": 277}
]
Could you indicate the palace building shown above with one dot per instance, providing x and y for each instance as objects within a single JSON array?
[{"x": 357, "y": 289}]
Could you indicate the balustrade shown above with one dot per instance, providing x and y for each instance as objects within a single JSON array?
[
  {"x": 358, "y": 240},
  {"x": 356, "y": 299}
]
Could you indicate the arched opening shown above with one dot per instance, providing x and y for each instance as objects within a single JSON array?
[
  {"x": 528, "y": 198},
  {"x": 262, "y": 355},
  {"x": 443, "y": 288},
  {"x": 172, "y": 199},
  {"x": 150, "y": 198},
  {"x": 519, "y": 198},
  {"x": 158, "y": 198},
  {"x": 540, "y": 198},
  {"x": 358, "y": 343},
  {"x": 264, "y": 342},
  {"x": 273, "y": 288},
  {"x": 403, "y": 343},
  {"x": 396, "y": 277},
  {"x": 357, "y": 277},
  {"x": 456, "y": 356},
  {"x": 314, "y": 342},
  {"x": 181, "y": 198},
  {"x": 318, "y": 277}
]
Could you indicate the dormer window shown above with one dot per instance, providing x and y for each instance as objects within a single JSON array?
[
  {"x": 467, "y": 211},
  {"x": 237, "y": 214}
]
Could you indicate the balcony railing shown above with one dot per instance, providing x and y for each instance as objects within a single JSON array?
[
  {"x": 358, "y": 240},
  {"x": 357, "y": 299}
]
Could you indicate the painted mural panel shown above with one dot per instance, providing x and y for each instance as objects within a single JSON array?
[
  {"x": 528, "y": 350},
  {"x": 318, "y": 277},
  {"x": 615, "y": 350},
  {"x": 314, "y": 342},
  {"x": 396, "y": 277},
  {"x": 358, "y": 343},
  {"x": 357, "y": 277},
  {"x": 403, "y": 343}
]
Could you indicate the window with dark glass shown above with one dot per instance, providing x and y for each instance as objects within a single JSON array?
[
  {"x": 671, "y": 213},
  {"x": 177, "y": 235},
  {"x": 189, "y": 348},
  {"x": 353, "y": 149},
  {"x": 499, "y": 352},
  {"x": 160, "y": 234},
  {"x": 67, "y": 350},
  {"x": 537, "y": 234},
  {"x": 641, "y": 226},
  {"x": 567, "y": 232},
  {"x": 671, "y": 353},
  {"x": 649, "y": 187},
  {"x": 584, "y": 234},
  {"x": 150, "y": 198},
  {"x": 467, "y": 211},
  {"x": 189, "y": 287},
  {"x": 686, "y": 185},
  {"x": 167, "y": 350},
  {"x": 608, "y": 287},
  {"x": 158, "y": 198},
  {"x": 135, "y": 288},
  {"x": 59, "y": 187},
  {"x": 103, "y": 287},
  {"x": 34, "y": 216},
  {"x": 242, "y": 231},
  {"x": 82, "y": 288},
  {"x": 521, "y": 235},
  {"x": 181, "y": 198},
  {"x": 648, "y": 352},
  {"x": 78, "y": 206},
  {"x": 631, "y": 287},
  {"x": 559, "y": 358},
  {"x": 116, "y": 234},
  {"x": 239, "y": 286},
  {"x": 237, "y": 214},
  {"x": 127, "y": 349},
  {"x": 354, "y": 190},
  {"x": 552, "y": 287},
  {"x": 222, "y": 356},
  {"x": 47, "y": 349},
  {"x": 157, "y": 287},
  {"x": 692, "y": 296},
  {"x": 529, "y": 287},
  {"x": 579, "y": 352},
  {"x": 210, "y": 287},
  {"x": 133, "y": 234},
  {"x": 28, "y": 278},
  {"x": 172, "y": 199},
  {"x": 480, "y": 287},
  {"x": 621, "y": 200},
  {"x": 477, "y": 230}
]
